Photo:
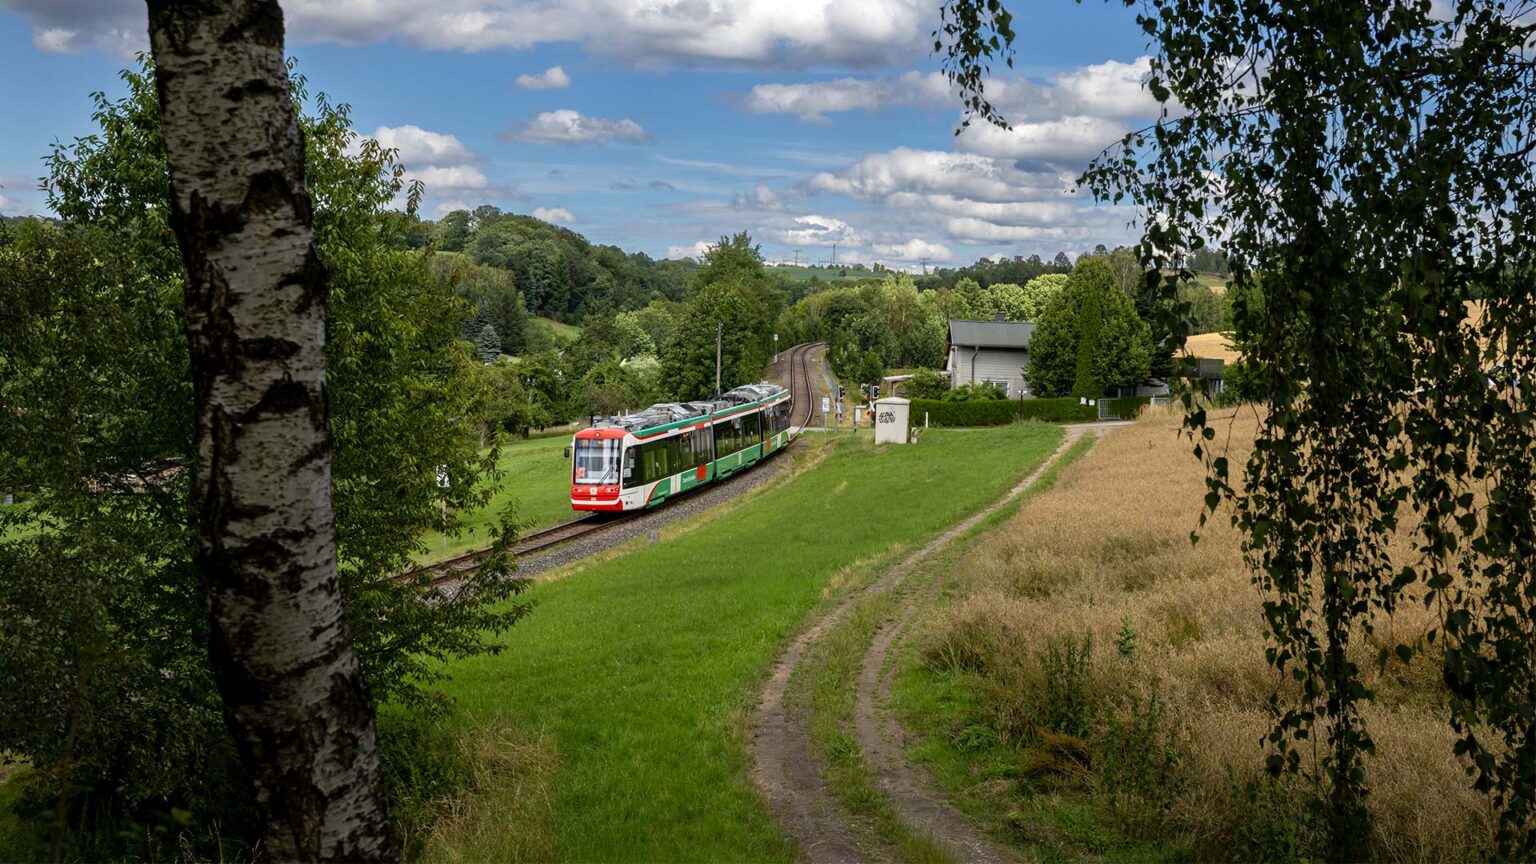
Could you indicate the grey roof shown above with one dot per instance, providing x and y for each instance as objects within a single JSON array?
[{"x": 990, "y": 334}]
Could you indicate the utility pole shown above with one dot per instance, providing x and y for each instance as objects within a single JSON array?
[
  {"x": 925, "y": 265},
  {"x": 797, "y": 257},
  {"x": 834, "y": 254},
  {"x": 719, "y": 331}
]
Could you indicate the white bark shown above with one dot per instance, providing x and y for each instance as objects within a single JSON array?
[{"x": 291, "y": 684}]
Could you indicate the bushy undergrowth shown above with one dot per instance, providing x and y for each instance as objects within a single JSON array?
[{"x": 1117, "y": 691}]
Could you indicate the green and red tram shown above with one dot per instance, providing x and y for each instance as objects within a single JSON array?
[{"x": 640, "y": 460}]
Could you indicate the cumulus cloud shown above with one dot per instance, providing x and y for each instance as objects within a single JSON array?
[
  {"x": 880, "y": 175},
  {"x": 557, "y": 215},
  {"x": 72, "y": 26},
  {"x": 813, "y": 101},
  {"x": 761, "y": 198},
  {"x": 812, "y": 230},
  {"x": 1066, "y": 104},
  {"x": 915, "y": 249},
  {"x": 755, "y": 33},
  {"x": 968, "y": 198},
  {"x": 452, "y": 177},
  {"x": 418, "y": 146},
  {"x": 697, "y": 250},
  {"x": 566, "y": 126},
  {"x": 1070, "y": 141},
  {"x": 553, "y": 78}
]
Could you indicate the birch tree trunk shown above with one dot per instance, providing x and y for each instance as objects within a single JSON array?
[{"x": 293, "y": 692}]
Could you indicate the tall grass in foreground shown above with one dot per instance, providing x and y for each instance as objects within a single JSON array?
[{"x": 1098, "y": 663}]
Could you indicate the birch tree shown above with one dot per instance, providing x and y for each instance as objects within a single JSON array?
[{"x": 292, "y": 687}]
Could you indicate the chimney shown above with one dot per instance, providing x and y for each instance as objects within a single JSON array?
[{"x": 998, "y": 317}]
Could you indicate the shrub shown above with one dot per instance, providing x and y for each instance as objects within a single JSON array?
[
  {"x": 1061, "y": 409},
  {"x": 987, "y": 412},
  {"x": 976, "y": 391},
  {"x": 927, "y": 384}
]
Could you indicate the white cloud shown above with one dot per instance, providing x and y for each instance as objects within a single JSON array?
[
  {"x": 697, "y": 250},
  {"x": 757, "y": 33},
  {"x": 812, "y": 230},
  {"x": 1070, "y": 106},
  {"x": 1108, "y": 89},
  {"x": 879, "y": 175},
  {"x": 968, "y": 198},
  {"x": 1071, "y": 141},
  {"x": 566, "y": 126},
  {"x": 452, "y": 177},
  {"x": 417, "y": 146},
  {"x": 813, "y": 101},
  {"x": 553, "y": 78},
  {"x": 557, "y": 215},
  {"x": 915, "y": 249}
]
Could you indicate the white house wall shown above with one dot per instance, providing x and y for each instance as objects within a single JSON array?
[{"x": 991, "y": 364}]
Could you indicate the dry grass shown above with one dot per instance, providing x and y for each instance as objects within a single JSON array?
[
  {"x": 1109, "y": 545},
  {"x": 505, "y": 812}
]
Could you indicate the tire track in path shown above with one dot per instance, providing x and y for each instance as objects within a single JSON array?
[
  {"x": 917, "y": 803},
  {"x": 786, "y": 768}
]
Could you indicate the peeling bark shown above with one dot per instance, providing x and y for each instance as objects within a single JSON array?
[{"x": 293, "y": 692}]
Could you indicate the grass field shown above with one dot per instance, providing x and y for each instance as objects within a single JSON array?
[
  {"x": 802, "y": 273},
  {"x": 619, "y": 704},
  {"x": 536, "y": 478},
  {"x": 558, "y": 332},
  {"x": 1097, "y": 687}
]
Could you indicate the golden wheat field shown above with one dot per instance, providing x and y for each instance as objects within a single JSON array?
[{"x": 1106, "y": 554}]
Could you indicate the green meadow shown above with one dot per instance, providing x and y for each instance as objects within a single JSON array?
[{"x": 617, "y": 713}]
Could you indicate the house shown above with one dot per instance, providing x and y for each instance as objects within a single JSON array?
[{"x": 995, "y": 351}]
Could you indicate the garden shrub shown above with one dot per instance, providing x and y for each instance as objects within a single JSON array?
[
  {"x": 1057, "y": 409},
  {"x": 986, "y": 412}
]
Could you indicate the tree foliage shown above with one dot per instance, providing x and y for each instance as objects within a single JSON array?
[
  {"x": 559, "y": 273},
  {"x": 1368, "y": 166},
  {"x": 1090, "y": 338},
  {"x": 731, "y": 290},
  {"x": 97, "y": 436}
]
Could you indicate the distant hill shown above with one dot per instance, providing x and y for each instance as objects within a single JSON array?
[{"x": 560, "y": 274}]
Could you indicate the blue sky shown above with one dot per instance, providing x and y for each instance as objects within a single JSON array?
[{"x": 658, "y": 125}]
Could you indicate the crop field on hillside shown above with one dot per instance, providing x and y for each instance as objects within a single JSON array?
[
  {"x": 616, "y": 713},
  {"x": 1096, "y": 686}
]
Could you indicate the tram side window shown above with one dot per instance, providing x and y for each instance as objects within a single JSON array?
[
  {"x": 752, "y": 429},
  {"x": 700, "y": 440},
  {"x": 728, "y": 437},
  {"x": 633, "y": 470}
]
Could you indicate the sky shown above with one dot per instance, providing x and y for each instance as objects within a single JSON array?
[{"x": 661, "y": 125}]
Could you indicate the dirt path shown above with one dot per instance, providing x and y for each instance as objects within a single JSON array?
[
  {"x": 786, "y": 768},
  {"x": 881, "y": 737}
]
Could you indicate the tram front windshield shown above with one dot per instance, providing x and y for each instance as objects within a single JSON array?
[{"x": 597, "y": 460}]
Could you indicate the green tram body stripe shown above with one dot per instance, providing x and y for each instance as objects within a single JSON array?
[{"x": 688, "y": 479}]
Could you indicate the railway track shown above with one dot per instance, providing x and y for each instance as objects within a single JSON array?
[
  {"x": 802, "y": 382},
  {"x": 453, "y": 569}
]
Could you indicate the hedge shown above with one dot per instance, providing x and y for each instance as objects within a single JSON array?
[
  {"x": 980, "y": 412},
  {"x": 1056, "y": 409},
  {"x": 997, "y": 412}
]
